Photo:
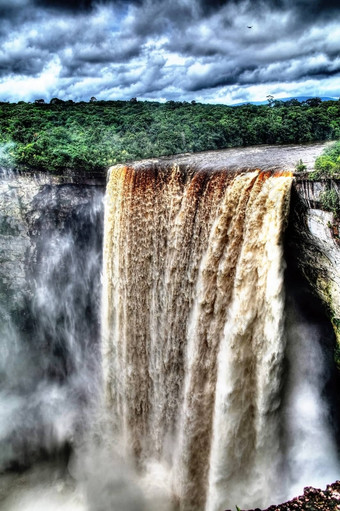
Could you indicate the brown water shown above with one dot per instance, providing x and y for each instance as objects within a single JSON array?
[
  {"x": 264, "y": 157},
  {"x": 192, "y": 326}
]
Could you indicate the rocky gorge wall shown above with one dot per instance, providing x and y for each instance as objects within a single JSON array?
[
  {"x": 313, "y": 244},
  {"x": 50, "y": 263},
  {"x": 31, "y": 205}
]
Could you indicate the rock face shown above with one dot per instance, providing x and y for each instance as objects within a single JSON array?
[
  {"x": 313, "y": 243},
  {"x": 31, "y": 205},
  {"x": 50, "y": 262}
]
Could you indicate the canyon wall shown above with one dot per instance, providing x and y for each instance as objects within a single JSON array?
[
  {"x": 313, "y": 243},
  {"x": 50, "y": 263}
]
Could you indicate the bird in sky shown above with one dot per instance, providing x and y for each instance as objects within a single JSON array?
[{"x": 250, "y": 27}]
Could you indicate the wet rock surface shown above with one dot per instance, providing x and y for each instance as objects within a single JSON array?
[
  {"x": 313, "y": 499},
  {"x": 32, "y": 205},
  {"x": 313, "y": 244},
  {"x": 50, "y": 260}
]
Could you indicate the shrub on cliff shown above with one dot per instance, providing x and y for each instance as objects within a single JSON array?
[
  {"x": 300, "y": 166},
  {"x": 330, "y": 201}
]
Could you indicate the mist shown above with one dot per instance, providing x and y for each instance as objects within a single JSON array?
[
  {"x": 49, "y": 363},
  {"x": 64, "y": 441},
  {"x": 311, "y": 447}
]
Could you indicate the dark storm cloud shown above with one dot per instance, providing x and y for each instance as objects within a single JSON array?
[
  {"x": 15, "y": 12},
  {"x": 80, "y": 5},
  {"x": 65, "y": 4},
  {"x": 218, "y": 75},
  {"x": 176, "y": 49},
  {"x": 306, "y": 7},
  {"x": 89, "y": 60},
  {"x": 31, "y": 63}
]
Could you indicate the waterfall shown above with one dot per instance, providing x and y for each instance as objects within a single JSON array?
[
  {"x": 192, "y": 327},
  {"x": 217, "y": 362}
]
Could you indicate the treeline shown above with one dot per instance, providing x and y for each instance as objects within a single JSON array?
[{"x": 91, "y": 136}]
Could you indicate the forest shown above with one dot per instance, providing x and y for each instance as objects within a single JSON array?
[{"x": 90, "y": 136}]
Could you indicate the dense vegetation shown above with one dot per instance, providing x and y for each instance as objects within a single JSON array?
[
  {"x": 91, "y": 136},
  {"x": 328, "y": 164}
]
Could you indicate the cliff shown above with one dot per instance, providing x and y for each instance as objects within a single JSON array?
[
  {"x": 313, "y": 244},
  {"x": 50, "y": 256},
  {"x": 31, "y": 206}
]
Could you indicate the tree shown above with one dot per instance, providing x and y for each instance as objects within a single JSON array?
[
  {"x": 270, "y": 99},
  {"x": 56, "y": 101},
  {"x": 292, "y": 102},
  {"x": 313, "y": 102}
]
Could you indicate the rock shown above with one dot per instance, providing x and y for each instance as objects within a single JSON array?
[
  {"x": 313, "y": 245},
  {"x": 312, "y": 499},
  {"x": 50, "y": 228}
]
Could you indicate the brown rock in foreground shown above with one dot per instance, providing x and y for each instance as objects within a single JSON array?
[{"x": 313, "y": 499}]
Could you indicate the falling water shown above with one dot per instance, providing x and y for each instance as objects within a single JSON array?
[
  {"x": 193, "y": 327},
  {"x": 215, "y": 394}
]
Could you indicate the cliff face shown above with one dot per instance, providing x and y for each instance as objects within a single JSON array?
[
  {"x": 32, "y": 206},
  {"x": 313, "y": 243},
  {"x": 50, "y": 261}
]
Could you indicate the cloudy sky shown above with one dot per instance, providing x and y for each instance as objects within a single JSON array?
[{"x": 169, "y": 49}]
